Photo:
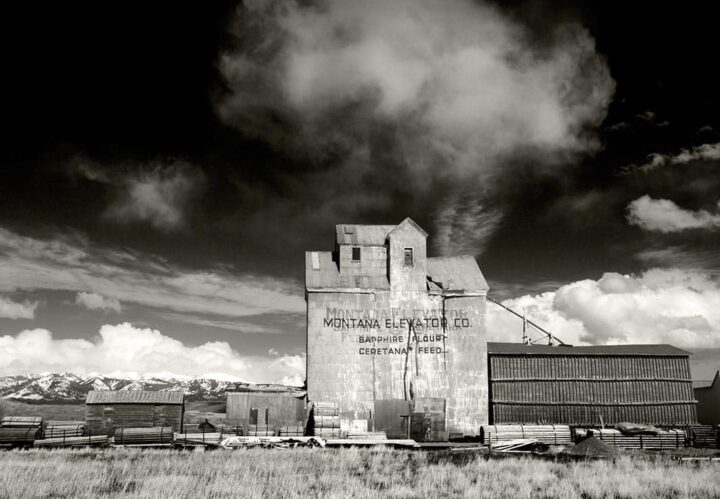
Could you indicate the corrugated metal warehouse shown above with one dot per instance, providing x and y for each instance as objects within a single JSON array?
[
  {"x": 590, "y": 385},
  {"x": 107, "y": 410},
  {"x": 392, "y": 332}
]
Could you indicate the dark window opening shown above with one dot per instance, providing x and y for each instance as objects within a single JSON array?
[
  {"x": 409, "y": 257},
  {"x": 356, "y": 254}
]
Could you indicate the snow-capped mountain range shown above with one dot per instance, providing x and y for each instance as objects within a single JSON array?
[{"x": 71, "y": 388}]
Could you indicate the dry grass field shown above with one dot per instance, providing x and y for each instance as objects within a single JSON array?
[{"x": 341, "y": 473}]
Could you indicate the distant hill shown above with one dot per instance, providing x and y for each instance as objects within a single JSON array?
[{"x": 72, "y": 388}]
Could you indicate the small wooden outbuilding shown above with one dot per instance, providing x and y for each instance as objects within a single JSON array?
[
  {"x": 107, "y": 410},
  {"x": 266, "y": 408},
  {"x": 708, "y": 397}
]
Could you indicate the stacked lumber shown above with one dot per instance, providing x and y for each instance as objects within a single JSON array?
[
  {"x": 704, "y": 436},
  {"x": 291, "y": 431},
  {"x": 65, "y": 423},
  {"x": 326, "y": 418},
  {"x": 517, "y": 445},
  {"x": 669, "y": 439},
  {"x": 257, "y": 430},
  {"x": 22, "y": 422},
  {"x": 158, "y": 435},
  {"x": 86, "y": 441},
  {"x": 367, "y": 435},
  {"x": 14, "y": 436},
  {"x": 546, "y": 434},
  {"x": 193, "y": 439},
  {"x": 64, "y": 431}
]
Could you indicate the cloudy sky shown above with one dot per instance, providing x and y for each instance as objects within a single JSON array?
[{"x": 165, "y": 167}]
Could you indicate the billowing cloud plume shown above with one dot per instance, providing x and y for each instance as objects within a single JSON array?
[
  {"x": 674, "y": 306},
  {"x": 424, "y": 97},
  {"x": 10, "y": 309},
  {"x": 663, "y": 215},
  {"x": 123, "y": 349},
  {"x": 72, "y": 264},
  {"x": 94, "y": 301}
]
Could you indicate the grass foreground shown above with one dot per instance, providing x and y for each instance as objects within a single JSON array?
[{"x": 341, "y": 473}]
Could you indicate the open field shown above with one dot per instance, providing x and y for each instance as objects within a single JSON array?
[
  {"x": 341, "y": 473},
  {"x": 60, "y": 412}
]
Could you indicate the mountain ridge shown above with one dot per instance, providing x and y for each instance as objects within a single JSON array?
[{"x": 73, "y": 388}]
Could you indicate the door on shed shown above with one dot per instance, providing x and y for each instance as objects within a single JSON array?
[
  {"x": 259, "y": 415},
  {"x": 391, "y": 416},
  {"x": 428, "y": 420}
]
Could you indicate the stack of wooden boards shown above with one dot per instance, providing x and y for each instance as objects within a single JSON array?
[
  {"x": 20, "y": 431},
  {"x": 367, "y": 435},
  {"x": 326, "y": 419},
  {"x": 291, "y": 431},
  {"x": 663, "y": 439},
  {"x": 54, "y": 430},
  {"x": 545, "y": 434},
  {"x": 704, "y": 436},
  {"x": 144, "y": 437},
  {"x": 196, "y": 439},
  {"x": 84, "y": 441}
]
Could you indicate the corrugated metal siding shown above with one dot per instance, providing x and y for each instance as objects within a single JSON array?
[{"x": 578, "y": 389}]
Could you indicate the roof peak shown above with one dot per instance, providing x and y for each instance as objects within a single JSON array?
[{"x": 409, "y": 221}]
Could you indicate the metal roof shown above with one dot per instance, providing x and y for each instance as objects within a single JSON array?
[
  {"x": 520, "y": 348},
  {"x": 134, "y": 397},
  {"x": 322, "y": 272},
  {"x": 455, "y": 273},
  {"x": 363, "y": 235}
]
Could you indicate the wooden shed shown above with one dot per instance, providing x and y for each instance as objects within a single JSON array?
[
  {"x": 266, "y": 408},
  {"x": 107, "y": 410},
  {"x": 708, "y": 397}
]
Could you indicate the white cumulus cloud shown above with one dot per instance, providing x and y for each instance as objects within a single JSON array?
[
  {"x": 703, "y": 152},
  {"x": 94, "y": 301},
  {"x": 128, "y": 350},
  {"x": 675, "y": 306},
  {"x": 663, "y": 215},
  {"x": 15, "y": 310}
]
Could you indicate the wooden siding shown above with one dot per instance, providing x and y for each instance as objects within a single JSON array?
[
  {"x": 105, "y": 418},
  {"x": 275, "y": 409},
  {"x": 588, "y": 389},
  {"x": 709, "y": 402}
]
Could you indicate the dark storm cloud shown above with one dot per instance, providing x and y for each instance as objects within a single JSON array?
[{"x": 411, "y": 106}]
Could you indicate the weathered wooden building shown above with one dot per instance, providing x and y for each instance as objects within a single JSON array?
[
  {"x": 590, "y": 385},
  {"x": 107, "y": 410},
  {"x": 391, "y": 332},
  {"x": 708, "y": 397},
  {"x": 273, "y": 408}
]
